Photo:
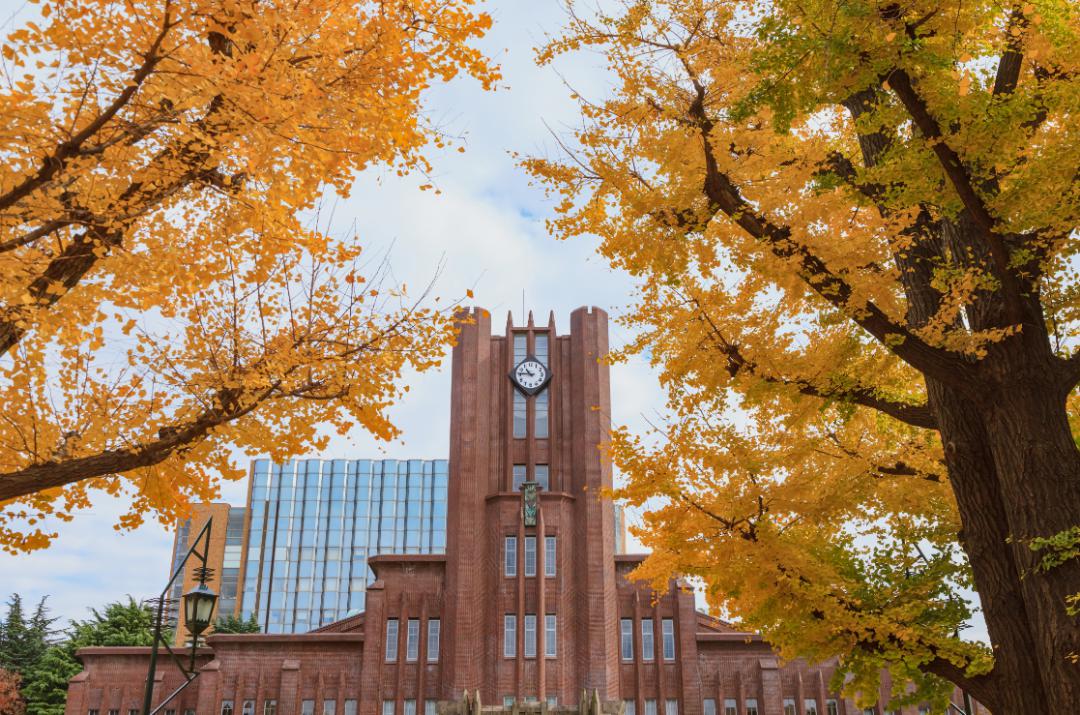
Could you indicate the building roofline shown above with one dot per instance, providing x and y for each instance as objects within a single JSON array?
[
  {"x": 630, "y": 558},
  {"x": 274, "y": 638}
]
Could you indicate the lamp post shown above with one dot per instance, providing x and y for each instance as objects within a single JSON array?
[{"x": 198, "y": 608}]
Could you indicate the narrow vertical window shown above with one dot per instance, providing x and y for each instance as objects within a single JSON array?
[
  {"x": 530, "y": 555},
  {"x": 530, "y": 635},
  {"x": 810, "y": 707},
  {"x": 731, "y": 707},
  {"x": 329, "y": 707},
  {"x": 391, "y": 639},
  {"x": 668, "y": 626},
  {"x": 626, "y": 638},
  {"x": 509, "y": 635},
  {"x": 307, "y": 707},
  {"x": 248, "y": 708},
  {"x": 226, "y": 708},
  {"x": 542, "y": 476},
  {"x": 549, "y": 556},
  {"x": 648, "y": 645},
  {"x": 650, "y": 707},
  {"x": 410, "y": 707},
  {"x": 789, "y": 707},
  {"x": 387, "y": 707},
  {"x": 751, "y": 706},
  {"x": 431, "y": 707},
  {"x": 350, "y": 707},
  {"x": 510, "y": 556},
  {"x": 550, "y": 634},
  {"x": 270, "y": 707},
  {"x": 520, "y": 474},
  {"x": 412, "y": 640},
  {"x": 521, "y": 347},
  {"x": 521, "y": 414},
  {"x": 434, "y": 625},
  {"x": 671, "y": 707},
  {"x": 833, "y": 708},
  {"x": 540, "y": 416},
  {"x": 552, "y": 701},
  {"x": 629, "y": 707},
  {"x": 540, "y": 348},
  {"x": 708, "y": 707}
]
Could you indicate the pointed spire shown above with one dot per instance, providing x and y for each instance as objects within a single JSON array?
[
  {"x": 509, "y": 322},
  {"x": 551, "y": 321},
  {"x": 530, "y": 319}
]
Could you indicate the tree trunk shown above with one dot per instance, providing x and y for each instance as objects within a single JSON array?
[
  {"x": 1038, "y": 468},
  {"x": 1015, "y": 683}
]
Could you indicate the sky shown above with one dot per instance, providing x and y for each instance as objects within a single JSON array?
[{"x": 485, "y": 228}]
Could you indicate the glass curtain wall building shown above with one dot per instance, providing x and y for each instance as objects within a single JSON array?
[{"x": 314, "y": 524}]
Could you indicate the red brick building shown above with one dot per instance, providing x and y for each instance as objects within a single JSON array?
[{"x": 530, "y": 602}]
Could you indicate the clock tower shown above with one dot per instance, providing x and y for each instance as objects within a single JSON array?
[{"x": 531, "y": 537}]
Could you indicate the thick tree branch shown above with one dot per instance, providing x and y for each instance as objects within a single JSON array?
[
  {"x": 54, "y": 162},
  {"x": 228, "y": 405},
  {"x": 725, "y": 196},
  {"x": 736, "y": 363},
  {"x": 1070, "y": 372},
  {"x": 1008, "y": 69},
  {"x": 72, "y": 264},
  {"x": 962, "y": 182}
]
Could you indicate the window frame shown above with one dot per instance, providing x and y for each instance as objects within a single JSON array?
[
  {"x": 529, "y": 632},
  {"x": 412, "y": 640},
  {"x": 434, "y": 638},
  {"x": 551, "y": 635},
  {"x": 390, "y": 651},
  {"x": 510, "y": 556},
  {"x": 530, "y": 547},
  {"x": 626, "y": 637},
  {"x": 270, "y": 706},
  {"x": 226, "y": 708},
  {"x": 671, "y": 706},
  {"x": 648, "y": 654},
  {"x": 667, "y": 635},
  {"x": 510, "y": 635},
  {"x": 551, "y": 555}
]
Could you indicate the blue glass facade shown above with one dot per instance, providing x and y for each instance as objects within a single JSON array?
[{"x": 314, "y": 524}]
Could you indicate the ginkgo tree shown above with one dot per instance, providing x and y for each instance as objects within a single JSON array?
[
  {"x": 854, "y": 225},
  {"x": 166, "y": 296}
]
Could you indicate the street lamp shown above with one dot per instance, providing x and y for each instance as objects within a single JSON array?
[
  {"x": 198, "y": 609},
  {"x": 198, "y": 606}
]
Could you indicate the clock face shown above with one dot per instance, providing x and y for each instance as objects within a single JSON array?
[{"x": 530, "y": 375}]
